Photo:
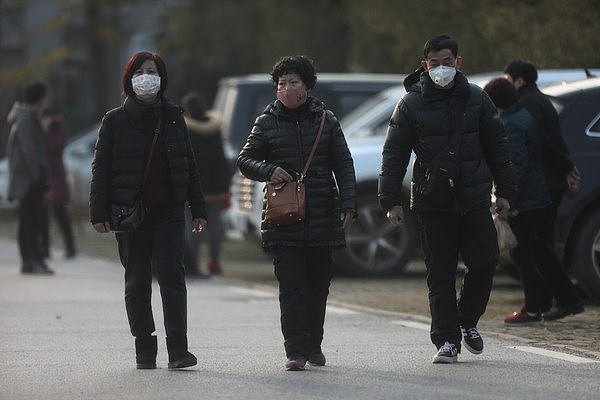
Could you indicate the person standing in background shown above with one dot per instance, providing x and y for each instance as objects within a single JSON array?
[
  {"x": 56, "y": 196},
  {"x": 560, "y": 173},
  {"x": 27, "y": 166},
  {"x": 534, "y": 255},
  {"x": 215, "y": 173}
]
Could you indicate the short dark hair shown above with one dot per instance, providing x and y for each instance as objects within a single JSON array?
[
  {"x": 35, "y": 92},
  {"x": 301, "y": 65},
  {"x": 522, "y": 69},
  {"x": 440, "y": 42},
  {"x": 195, "y": 103},
  {"x": 135, "y": 62},
  {"x": 502, "y": 92}
]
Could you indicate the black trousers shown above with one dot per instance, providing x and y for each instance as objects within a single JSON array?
[
  {"x": 304, "y": 275},
  {"x": 538, "y": 263},
  {"x": 64, "y": 223},
  {"x": 157, "y": 248},
  {"x": 29, "y": 232},
  {"x": 444, "y": 236}
]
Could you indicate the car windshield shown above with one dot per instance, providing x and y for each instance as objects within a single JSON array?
[{"x": 365, "y": 107}]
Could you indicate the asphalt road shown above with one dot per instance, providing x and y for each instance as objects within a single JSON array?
[{"x": 66, "y": 337}]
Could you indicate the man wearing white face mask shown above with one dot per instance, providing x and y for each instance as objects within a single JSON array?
[{"x": 461, "y": 149}]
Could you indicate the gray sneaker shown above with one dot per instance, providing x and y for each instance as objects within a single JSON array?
[{"x": 447, "y": 354}]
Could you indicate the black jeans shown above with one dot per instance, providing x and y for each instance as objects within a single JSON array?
[
  {"x": 538, "y": 263},
  {"x": 304, "y": 275},
  {"x": 29, "y": 232},
  {"x": 444, "y": 236},
  {"x": 158, "y": 247},
  {"x": 64, "y": 222}
]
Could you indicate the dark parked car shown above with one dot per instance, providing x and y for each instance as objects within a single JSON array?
[{"x": 577, "y": 231}]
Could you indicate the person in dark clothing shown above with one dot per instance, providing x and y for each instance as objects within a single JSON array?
[
  {"x": 27, "y": 166},
  {"x": 534, "y": 255},
  {"x": 559, "y": 172},
  {"x": 56, "y": 197},
  {"x": 276, "y": 151},
  {"x": 123, "y": 146},
  {"x": 215, "y": 174},
  {"x": 440, "y": 104}
]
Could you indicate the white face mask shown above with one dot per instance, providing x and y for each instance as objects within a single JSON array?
[
  {"x": 146, "y": 85},
  {"x": 442, "y": 75}
]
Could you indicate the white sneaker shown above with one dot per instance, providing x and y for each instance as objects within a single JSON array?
[{"x": 447, "y": 354}]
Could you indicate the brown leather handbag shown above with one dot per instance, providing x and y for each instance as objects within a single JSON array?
[{"x": 286, "y": 200}]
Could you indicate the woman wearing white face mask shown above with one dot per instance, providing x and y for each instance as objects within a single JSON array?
[{"x": 144, "y": 152}]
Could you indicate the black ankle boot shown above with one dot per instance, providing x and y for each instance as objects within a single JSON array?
[
  {"x": 179, "y": 356},
  {"x": 146, "y": 348}
]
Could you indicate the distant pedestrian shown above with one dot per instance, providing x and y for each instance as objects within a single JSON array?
[
  {"x": 276, "y": 151},
  {"x": 215, "y": 173},
  {"x": 56, "y": 197},
  {"x": 559, "y": 172},
  {"x": 27, "y": 167},
  {"x": 460, "y": 146},
  {"x": 534, "y": 255},
  {"x": 125, "y": 140}
]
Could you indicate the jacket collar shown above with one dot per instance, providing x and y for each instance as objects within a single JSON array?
[
  {"x": 314, "y": 106},
  {"x": 420, "y": 82}
]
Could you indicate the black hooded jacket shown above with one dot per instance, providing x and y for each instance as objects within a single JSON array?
[
  {"x": 555, "y": 154},
  {"x": 281, "y": 138},
  {"x": 423, "y": 122}
]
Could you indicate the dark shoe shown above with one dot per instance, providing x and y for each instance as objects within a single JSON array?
[
  {"x": 183, "y": 361},
  {"x": 522, "y": 318},
  {"x": 295, "y": 364},
  {"x": 558, "y": 312},
  {"x": 215, "y": 268},
  {"x": 71, "y": 253},
  {"x": 447, "y": 354},
  {"x": 146, "y": 348},
  {"x": 473, "y": 340},
  {"x": 316, "y": 359},
  {"x": 179, "y": 356},
  {"x": 36, "y": 267}
]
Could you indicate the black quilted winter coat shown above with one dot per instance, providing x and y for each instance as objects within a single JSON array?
[
  {"x": 119, "y": 159},
  {"x": 279, "y": 138},
  {"x": 423, "y": 122}
]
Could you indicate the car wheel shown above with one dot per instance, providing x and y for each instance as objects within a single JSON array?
[
  {"x": 373, "y": 246},
  {"x": 585, "y": 257}
]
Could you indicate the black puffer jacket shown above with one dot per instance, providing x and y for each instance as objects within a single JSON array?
[
  {"x": 555, "y": 154},
  {"x": 281, "y": 139},
  {"x": 119, "y": 159},
  {"x": 523, "y": 134},
  {"x": 423, "y": 122}
]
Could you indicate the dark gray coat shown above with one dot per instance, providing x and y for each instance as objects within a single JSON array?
[
  {"x": 26, "y": 152},
  {"x": 281, "y": 139},
  {"x": 423, "y": 121}
]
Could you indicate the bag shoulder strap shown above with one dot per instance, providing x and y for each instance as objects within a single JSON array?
[
  {"x": 147, "y": 167},
  {"x": 314, "y": 148}
]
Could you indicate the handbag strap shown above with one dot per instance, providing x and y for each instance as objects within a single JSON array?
[
  {"x": 313, "y": 150},
  {"x": 147, "y": 167}
]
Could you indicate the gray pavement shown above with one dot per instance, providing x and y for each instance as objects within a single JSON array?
[{"x": 66, "y": 337}]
